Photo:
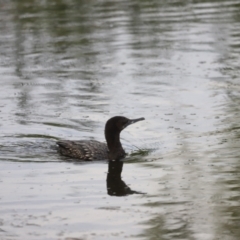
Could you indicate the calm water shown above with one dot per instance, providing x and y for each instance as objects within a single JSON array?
[{"x": 68, "y": 66}]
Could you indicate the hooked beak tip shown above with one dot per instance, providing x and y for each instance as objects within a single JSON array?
[
  {"x": 131, "y": 121},
  {"x": 137, "y": 120}
]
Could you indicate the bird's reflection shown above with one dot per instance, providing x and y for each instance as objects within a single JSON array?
[{"x": 115, "y": 185}]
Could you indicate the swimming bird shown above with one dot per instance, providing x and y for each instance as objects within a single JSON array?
[{"x": 88, "y": 150}]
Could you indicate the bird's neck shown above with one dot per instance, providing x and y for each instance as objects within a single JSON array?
[{"x": 115, "y": 148}]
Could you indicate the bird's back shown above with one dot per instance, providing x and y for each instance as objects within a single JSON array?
[{"x": 86, "y": 150}]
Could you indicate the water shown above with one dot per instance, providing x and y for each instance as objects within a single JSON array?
[{"x": 68, "y": 66}]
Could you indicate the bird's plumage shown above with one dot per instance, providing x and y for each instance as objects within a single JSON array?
[{"x": 88, "y": 150}]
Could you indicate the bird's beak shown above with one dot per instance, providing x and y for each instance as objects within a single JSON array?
[{"x": 131, "y": 121}]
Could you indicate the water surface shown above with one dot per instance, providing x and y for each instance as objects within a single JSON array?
[{"x": 68, "y": 66}]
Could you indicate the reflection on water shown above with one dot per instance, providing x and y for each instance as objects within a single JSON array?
[
  {"x": 115, "y": 185},
  {"x": 68, "y": 66}
]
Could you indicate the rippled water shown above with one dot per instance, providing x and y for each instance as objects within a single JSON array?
[{"x": 68, "y": 66}]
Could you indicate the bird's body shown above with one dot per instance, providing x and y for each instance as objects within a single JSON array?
[{"x": 88, "y": 150}]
